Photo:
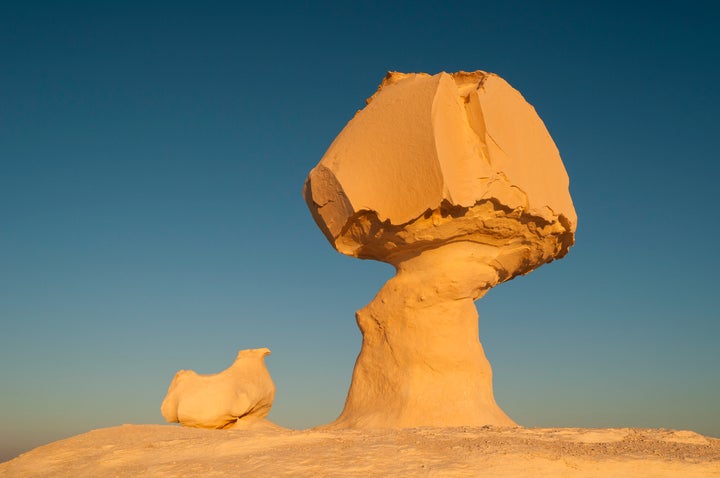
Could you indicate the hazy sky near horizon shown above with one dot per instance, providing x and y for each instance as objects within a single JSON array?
[{"x": 152, "y": 158}]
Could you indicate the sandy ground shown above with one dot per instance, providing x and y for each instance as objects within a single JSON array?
[{"x": 164, "y": 450}]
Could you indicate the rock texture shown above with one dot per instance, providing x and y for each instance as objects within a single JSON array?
[
  {"x": 454, "y": 180},
  {"x": 240, "y": 396},
  {"x": 489, "y": 452}
]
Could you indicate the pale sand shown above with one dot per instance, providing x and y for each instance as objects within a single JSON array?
[{"x": 164, "y": 450}]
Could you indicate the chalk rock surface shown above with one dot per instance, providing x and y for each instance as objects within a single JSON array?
[
  {"x": 488, "y": 452},
  {"x": 454, "y": 180},
  {"x": 438, "y": 158},
  {"x": 239, "y": 397}
]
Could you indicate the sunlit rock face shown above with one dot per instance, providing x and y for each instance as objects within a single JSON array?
[
  {"x": 453, "y": 179},
  {"x": 239, "y": 397}
]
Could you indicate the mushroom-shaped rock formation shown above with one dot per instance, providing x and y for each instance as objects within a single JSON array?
[
  {"x": 455, "y": 181},
  {"x": 239, "y": 397}
]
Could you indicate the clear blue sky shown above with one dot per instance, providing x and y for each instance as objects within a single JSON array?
[{"x": 152, "y": 157}]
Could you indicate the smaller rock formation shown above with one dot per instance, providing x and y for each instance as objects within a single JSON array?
[{"x": 240, "y": 396}]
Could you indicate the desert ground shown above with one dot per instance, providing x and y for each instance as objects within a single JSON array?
[{"x": 174, "y": 451}]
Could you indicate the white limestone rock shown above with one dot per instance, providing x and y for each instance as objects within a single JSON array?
[
  {"x": 454, "y": 180},
  {"x": 428, "y": 150},
  {"x": 240, "y": 396}
]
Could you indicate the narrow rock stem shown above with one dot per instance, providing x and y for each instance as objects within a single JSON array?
[{"x": 421, "y": 362}]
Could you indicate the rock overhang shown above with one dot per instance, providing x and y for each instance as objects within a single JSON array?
[{"x": 442, "y": 158}]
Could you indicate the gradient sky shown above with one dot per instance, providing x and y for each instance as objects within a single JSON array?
[{"x": 152, "y": 157}]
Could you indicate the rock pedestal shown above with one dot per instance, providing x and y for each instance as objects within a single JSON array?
[{"x": 421, "y": 362}]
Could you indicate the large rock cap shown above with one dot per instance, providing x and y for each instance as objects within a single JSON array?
[{"x": 440, "y": 158}]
